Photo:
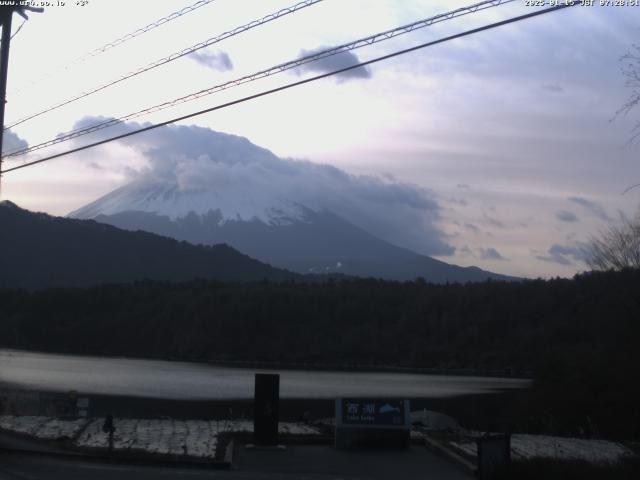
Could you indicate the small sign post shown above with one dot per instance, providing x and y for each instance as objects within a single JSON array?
[
  {"x": 494, "y": 456},
  {"x": 109, "y": 428}
]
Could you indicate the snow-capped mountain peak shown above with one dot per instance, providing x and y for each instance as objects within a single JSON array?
[
  {"x": 166, "y": 198},
  {"x": 206, "y": 187}
]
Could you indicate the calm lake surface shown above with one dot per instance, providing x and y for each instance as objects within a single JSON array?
[{"x": 193, "y": 381}]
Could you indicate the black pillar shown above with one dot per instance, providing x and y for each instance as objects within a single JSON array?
[{"x": 266, "y": 409}]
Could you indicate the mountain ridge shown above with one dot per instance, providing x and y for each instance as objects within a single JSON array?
[
  {"x": 40, "y": 250},
  {"x": 320, "y": 242}
]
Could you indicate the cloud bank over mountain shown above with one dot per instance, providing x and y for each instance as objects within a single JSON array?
[{"x": 199, "y": 159}]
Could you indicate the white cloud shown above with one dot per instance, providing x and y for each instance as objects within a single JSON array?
[
  {"x": 592, "y": 207},
  {"x": 197, "y": 158},
  {"x": 11, "y": 141},
  {"x": 219, "y": 61},
  {"x": 566, "y": 216},
  {"x": 334, "y": 62},
  {"x": 566, "y": 254}
]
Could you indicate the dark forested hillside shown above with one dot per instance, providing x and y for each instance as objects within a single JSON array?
[
  {"x": 484, "y": 325},
  {"x": 580, "y": 336},
  {"x": 39, "y": 251}
]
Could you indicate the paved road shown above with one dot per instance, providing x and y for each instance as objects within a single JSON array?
[
  {"x": 13, "y": 441},
  {"x": 297, "y": 462},
  {"x": 324, "y": 462},
  {"x": 30, "y": 467}
]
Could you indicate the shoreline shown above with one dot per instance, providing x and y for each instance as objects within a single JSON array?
[
  {"x": 320, "y": 367},
  {"x": 481, "y": 411}
]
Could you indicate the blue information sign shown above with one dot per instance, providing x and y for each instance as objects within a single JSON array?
[{"x": 372, "y": 412}]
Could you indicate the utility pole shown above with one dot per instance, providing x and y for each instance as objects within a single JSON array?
[{"x": 6, "y": 15}]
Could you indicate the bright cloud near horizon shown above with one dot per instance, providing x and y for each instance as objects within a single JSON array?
[{"x": 505, "y": 139}]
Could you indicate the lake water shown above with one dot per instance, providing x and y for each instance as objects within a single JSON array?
[{"x": 193, "y": 381}]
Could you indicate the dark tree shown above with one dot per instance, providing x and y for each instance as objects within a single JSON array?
[{"x": 617, "y": 248}]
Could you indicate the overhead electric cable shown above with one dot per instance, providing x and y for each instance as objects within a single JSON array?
[
  {"x": 121, "y": 40},
  {"x": 147, "y": 28},
  {"x": 362, "y": 42},
  {"x": 294, "y": 84},
  {"x": 18, "y": 30},
  {"x": 175, "y": 56}
]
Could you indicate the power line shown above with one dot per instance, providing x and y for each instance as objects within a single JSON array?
[
  {"x": 123, "y": 39},
  {"x": 175, "y": 56},
  {"x": 18, "y": 30},
  {"x": 295, "y": 84},
  {"x": 147, "y": 28},
  {"x": 366, "y": 41}
]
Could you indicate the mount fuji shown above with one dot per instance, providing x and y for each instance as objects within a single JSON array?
[{"x": 219, "y": 188}]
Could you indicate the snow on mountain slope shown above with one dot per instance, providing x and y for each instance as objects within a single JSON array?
[{"x": 165, "y": 198}]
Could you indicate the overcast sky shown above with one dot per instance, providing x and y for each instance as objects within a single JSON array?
[{"x": 499, "y": 149}]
